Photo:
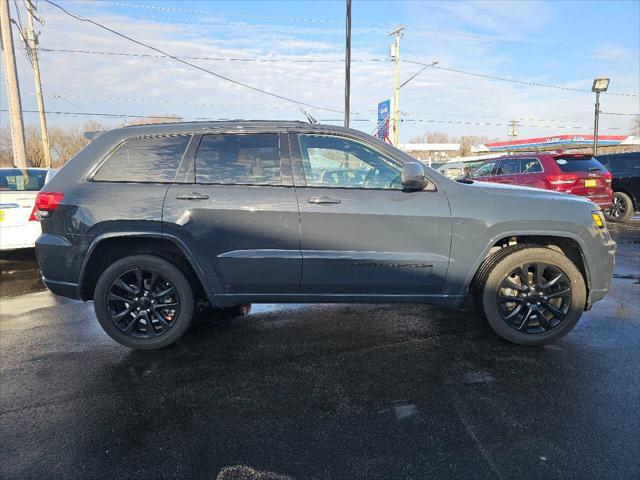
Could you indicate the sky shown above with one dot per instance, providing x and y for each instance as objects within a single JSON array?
[{"x": 295, "y": 49}]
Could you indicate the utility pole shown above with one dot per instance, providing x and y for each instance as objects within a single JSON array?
[
  {"x": 513, "y": 131},
  {"x": 395, "y": 54},
  {"x": 32, "y": 48},
  {"x": 13, "y": 90},
  {"x": 347, "y": 67}
]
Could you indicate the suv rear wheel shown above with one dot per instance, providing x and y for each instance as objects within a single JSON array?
[
  {"x": 531, "y": 295},
  {"x": 621, "y": 208},
  {"x": 144, "y": 302}
]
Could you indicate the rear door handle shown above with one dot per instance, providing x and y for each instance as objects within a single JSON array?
[
  {"x": 323, "y": 200},
  {"x": 192, "y": 196}
]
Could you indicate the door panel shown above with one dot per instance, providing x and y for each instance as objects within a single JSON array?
[
  {"x": 245, "y": 237},
  {"x": 374, "y": 242},
  {"x": 361, "y": 239}
]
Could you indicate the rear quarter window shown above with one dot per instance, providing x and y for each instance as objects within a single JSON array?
[
  {"x": 579, "y": 164},
  {"x": 144, "y": 160}
]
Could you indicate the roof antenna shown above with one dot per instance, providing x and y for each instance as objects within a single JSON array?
[{"x": 310, "y": 118}]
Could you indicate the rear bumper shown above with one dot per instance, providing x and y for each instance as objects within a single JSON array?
[
  {"x": 60, "y": 260},
  {"x": 64, "y": 289}
]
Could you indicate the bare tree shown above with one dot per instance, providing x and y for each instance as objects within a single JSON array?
[
  {"x": 65, "y": 142},
  {"x": 431, "y": 137}
]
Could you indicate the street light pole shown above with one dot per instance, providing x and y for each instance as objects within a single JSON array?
[
  {"x": 599, "y": 85},
  {"x": 347, "y": 67}
]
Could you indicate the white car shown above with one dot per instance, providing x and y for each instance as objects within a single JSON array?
[{"x": 19, "y": 227}]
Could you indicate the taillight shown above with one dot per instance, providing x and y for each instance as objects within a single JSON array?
[
  {"x": 562, "y": 179},
  {"x": 607, "y": 177},
  {"x": 47, "y": 202},
  {"x": 34, "y": 215}
]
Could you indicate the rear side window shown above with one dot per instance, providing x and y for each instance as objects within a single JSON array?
[
  {"x": 530, "y": 165},
  {"x": 579, "y": 164},
  {"x": 12, "y": 179},
  {"x": 251, "y": 159},
  {"x": 148, "y": 160}
]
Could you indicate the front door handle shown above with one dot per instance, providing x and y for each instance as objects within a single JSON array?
[
  {"x": 192, "y": 196},
  {"x": 322, "y": 200}
]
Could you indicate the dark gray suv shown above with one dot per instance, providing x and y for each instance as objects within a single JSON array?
[{"x": 149, "y": 221}]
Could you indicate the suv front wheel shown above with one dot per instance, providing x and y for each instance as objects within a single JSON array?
[
  {"x": 531, "y": 295},
  {"x": 144, "y": 302}
]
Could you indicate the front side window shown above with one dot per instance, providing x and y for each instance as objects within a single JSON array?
[
  {"x": 485, "y": 170},
  {"x": 145, "y": 159},
  {"x": 343, "y": 163},
  {"x": 241, "y": 159}
]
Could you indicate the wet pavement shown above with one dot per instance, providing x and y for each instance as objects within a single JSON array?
[{"x": 319, "y": 391}]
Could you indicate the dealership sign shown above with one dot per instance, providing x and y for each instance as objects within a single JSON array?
[
  {"x": 384, "y": 113},
  {"x": 557, "y": 141}
]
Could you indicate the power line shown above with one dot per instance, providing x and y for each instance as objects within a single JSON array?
[
  {"x": 193, "y": 65},
  {"x": 405, "y": 114},
  {"x": 378, "y": 60},
  {"x": 408, "y": 120},
  {"x": 511, "y": 80},
  {"x": 217, "y": 59},
  {"x": 619, "y": 113}
]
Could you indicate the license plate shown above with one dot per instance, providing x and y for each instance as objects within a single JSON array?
[
  {"x": 1, "y": 215},
  {"x": 590, "y": 183}
]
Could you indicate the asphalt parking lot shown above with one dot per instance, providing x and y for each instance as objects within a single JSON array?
[{"x": 319, "y": 391}]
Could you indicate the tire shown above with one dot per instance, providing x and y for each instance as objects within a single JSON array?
[
  {"x": 170, "y": 298},
  {"x": 540, "y": 309},
  {"x": 622, "y": 208}
]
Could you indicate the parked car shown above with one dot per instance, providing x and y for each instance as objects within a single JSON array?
[
  {"x": 625, "y": 168},
  {"x": 147, "y": 220},
  {"x": 19, "y": 227},
  {"x": 567, "y": 173}
]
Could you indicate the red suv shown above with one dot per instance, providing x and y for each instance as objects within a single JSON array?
[{"x": 567, "y": 173}]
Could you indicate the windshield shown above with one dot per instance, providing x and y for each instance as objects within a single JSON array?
[
  {"x": 579, "y": 164},
  {"x": 12, "y": 179}
]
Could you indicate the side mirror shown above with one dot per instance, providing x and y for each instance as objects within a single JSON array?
[{"x": 413, "y": 178}]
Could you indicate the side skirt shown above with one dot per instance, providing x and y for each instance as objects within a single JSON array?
[{"x": 227, "y": 300}]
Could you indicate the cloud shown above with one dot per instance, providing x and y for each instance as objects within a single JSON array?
[{"x": 147, "y": 86}]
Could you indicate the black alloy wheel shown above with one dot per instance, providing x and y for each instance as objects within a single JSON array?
[
  {"x": 534, "y": 298},
  {"x": 530, "y": 294},
  {"x": 143, "y": 303},
  {"x": 621, "y": 208}
]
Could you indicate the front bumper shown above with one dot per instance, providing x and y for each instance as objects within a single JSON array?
[{"x": 601, "y": 260}]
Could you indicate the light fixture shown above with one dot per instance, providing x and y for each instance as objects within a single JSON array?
[{"x": 600, "y": 85}]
